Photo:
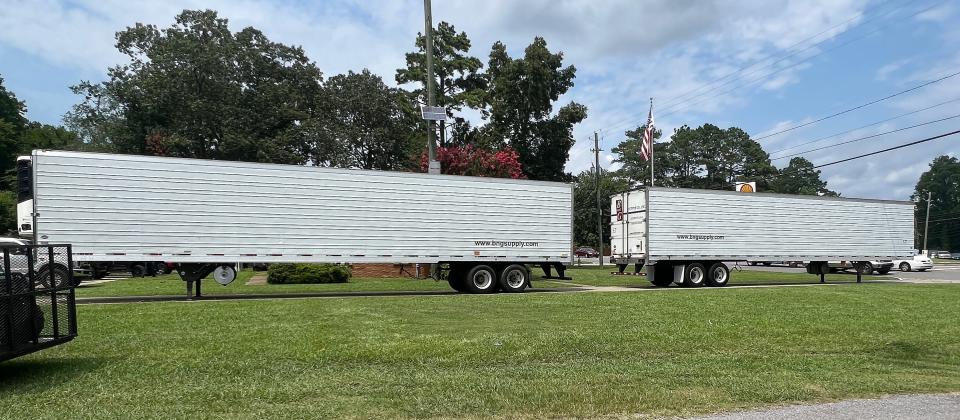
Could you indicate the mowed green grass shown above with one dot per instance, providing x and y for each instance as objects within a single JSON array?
[
  {"x": 171, "y": 284},
  {"x": 662, "y": 353}
]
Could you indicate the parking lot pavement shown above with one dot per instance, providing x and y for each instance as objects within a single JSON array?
[
  {"x": 943, "y": 273},
  {"x": 936, "y": 406}
]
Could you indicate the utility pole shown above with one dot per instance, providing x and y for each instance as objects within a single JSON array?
[
  {"x": 433, "y": 164},
  {"x": 596, "y": 156},
  {"x": 926, "y": 224}
]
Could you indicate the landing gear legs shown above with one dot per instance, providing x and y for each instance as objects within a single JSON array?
[{"x": 194, "y": 272}]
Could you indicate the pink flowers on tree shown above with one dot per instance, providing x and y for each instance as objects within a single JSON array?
[{"x": 472, "y": 161}]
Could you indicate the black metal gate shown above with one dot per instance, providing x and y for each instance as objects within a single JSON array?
[{"x": 37, "y": 303}]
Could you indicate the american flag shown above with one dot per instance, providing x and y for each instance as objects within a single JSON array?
[{"x": 646, "y": 149}]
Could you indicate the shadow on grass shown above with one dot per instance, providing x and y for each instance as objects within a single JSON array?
[{"x": 22, "y": 374}]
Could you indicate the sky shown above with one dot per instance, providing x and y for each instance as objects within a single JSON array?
[{"x": 759, "y": 65}]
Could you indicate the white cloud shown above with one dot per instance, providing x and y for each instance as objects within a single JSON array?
[
  {"x": 625, "y": 52},
  {"x": 884, "y": 72}
]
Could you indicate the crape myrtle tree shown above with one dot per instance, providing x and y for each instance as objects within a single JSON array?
[{"x": 475, "y": 161}]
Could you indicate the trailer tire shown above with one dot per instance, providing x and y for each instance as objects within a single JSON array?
[
  {"x": 660, "y": 275},
  {"x": 60, "y": 277},
  {"x": 514, "y": 279},
  {"x": 718, "y": 275},
  {"x": 455, "y": 278},
  {"x": 864, "y": 268},
  {"x": 694, "y": 275},
  {"x": 481, "y": 278},
  {"x": 138, "y": 270}
]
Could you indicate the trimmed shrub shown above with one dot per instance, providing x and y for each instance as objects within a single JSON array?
[{"x": 307, "y": 273}]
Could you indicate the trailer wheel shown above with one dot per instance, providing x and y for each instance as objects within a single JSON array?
[
  {"x": 514, "y": 278},
  {"x": 60, "y": 276},
  {"x": 481, "y": 279},
  {"x": 455, "y": 278},
  {"x": 138, "y": 270},
  {"x": 694, "y": 275},
  {"x": 718, "y": 275},
  {"x": 662, "y": 275},
  {"x": 224, "y": 274}
]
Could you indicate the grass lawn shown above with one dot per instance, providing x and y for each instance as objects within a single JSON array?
[
  {"x": 677, "y": 352},
  {"x": 937, "y": 261}
]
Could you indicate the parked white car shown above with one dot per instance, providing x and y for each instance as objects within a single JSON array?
[{"x": 918, "y": 263}]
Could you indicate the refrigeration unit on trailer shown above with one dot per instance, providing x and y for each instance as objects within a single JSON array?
[
  {"x": 207, "y": 215},
  {"x": 685, "y": 236}
]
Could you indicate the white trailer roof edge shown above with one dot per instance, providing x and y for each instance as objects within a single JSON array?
[
  {"x": 811, "y": 197},
  {"x": 245, "y": 164}
]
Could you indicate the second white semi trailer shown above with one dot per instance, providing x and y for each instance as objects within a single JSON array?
[
  {"x": 207, "y": 215},
  {"x": 686, "y": 236}
]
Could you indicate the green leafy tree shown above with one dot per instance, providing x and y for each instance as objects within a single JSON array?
[
  {"x": 13, "y": 121},
  {"x": 800, "y": 177},
  {"x": 942, "y": 182},
  {"x": 633, "y": 166},
  {"x": 8, "y": 213},
  {"x": 585, "y": 205},
  {"x": 706, "y": 157},
  {"x": 521, "y": 95},
  {"x": 458, "y": 79},
  {"x": 196, "y": 89},
  {"x": 370, "y": 125}
]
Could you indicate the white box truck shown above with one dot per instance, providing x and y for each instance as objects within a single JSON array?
[
  {"x": 207, "y": 215},
  {"x": 685, "y": 236}
]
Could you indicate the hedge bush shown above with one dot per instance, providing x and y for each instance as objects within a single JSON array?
[{"x": 307, "y": 273}]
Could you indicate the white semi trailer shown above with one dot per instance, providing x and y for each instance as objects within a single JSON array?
[
  {"x": 685, "y": 236},
  {"x": 207, "y": 215}
]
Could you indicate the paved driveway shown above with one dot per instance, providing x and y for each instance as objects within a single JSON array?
[{"x": 935, "y": 406}]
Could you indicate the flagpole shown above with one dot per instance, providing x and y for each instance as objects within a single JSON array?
[{"x": 651, "y": 144}]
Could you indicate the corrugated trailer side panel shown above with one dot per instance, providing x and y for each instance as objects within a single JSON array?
[
  {"x": 120, "y": 207},
  {"x": 722, "y": 225}
]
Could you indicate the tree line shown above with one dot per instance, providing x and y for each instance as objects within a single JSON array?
[{"x": 197, "y": 89}]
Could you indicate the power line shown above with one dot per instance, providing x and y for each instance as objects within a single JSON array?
[
  {"x": 795, "y": 64},
  {"x": 889, "y": 149},
  {"x": 866, "y": 137},
  {"x": 858, "y": 107},
  {"x": 674, "y": 102},
  {"x": 674, "y": 107},
  {"x": 678, "y": 99},
  {"x": 862, "y": 127}
]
